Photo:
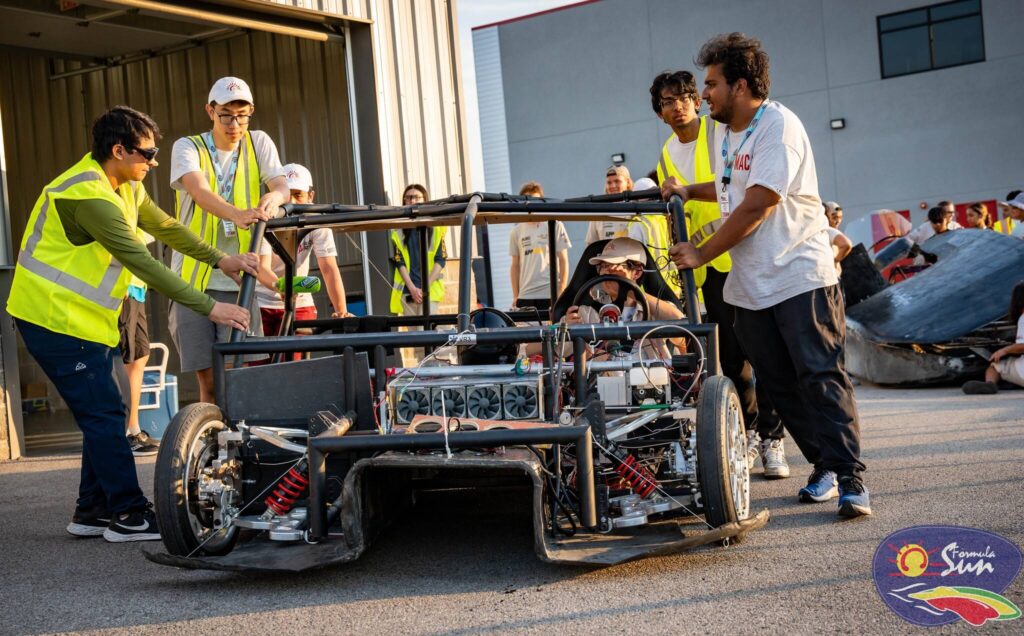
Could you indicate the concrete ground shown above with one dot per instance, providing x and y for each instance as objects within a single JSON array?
[{"x": 934, "y": 456}]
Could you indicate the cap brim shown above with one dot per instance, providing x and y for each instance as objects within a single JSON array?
[{"x": 611, "y": 260}]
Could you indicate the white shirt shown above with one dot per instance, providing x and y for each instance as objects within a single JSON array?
[
  {"x": 789, "y": 253},
  {"x": 600, "y": 230},
  {"x": 185, "y": 159},
  {"x": 682, "y": 156},
  {"x": 319, "y": 242},
  {"x": 1018, "y": 230},
  {"x": 529, "y": 241},
  {"x": 925, "y": 231}
]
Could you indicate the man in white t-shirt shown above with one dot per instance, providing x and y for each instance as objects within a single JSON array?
[
  {"x": 841, "y": 244},
  {"x": 940, "y": 219},
  {"x": 616, "y": 180},
  {"x": 217, "y": 176},
  {"x": 318, "y": 242},
  {"x": 789, "y": 309},
  {"x": 528, "y": 246}
]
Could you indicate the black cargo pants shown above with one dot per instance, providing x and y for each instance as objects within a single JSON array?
[{"x": 796, "y": 348}]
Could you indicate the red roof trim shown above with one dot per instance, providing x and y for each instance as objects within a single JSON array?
[{"x": 534, "y": 15}]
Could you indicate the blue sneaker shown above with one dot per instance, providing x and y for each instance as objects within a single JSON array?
[
  {"x": 853, "y": 497},
  {"x": 821, "y": 486}
]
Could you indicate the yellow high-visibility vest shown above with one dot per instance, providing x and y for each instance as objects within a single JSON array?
[
  {"x": 659, "y": 241},
  {"x": 436, "y": 291},
  {"x": 703, "y": 218},
  {"x": 75, "y": 290},
  {"x": 1005, "y": 226},
  {"x": 245, "y": 194}
]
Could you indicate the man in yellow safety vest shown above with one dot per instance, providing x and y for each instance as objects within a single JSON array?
[
  {"x": 687, "y": 157},
  {"x": 216, "y": 177},
  {"x": 78, "y": 255}
]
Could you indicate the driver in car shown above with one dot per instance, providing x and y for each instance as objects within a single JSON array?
[{"x": 625, "y": 258}]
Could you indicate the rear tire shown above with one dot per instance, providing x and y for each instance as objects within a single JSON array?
[
  {"x": 189, "y": 445},
  {"x": 721, "y": 453}
]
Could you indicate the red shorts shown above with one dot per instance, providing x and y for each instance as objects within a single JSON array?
[{"x": 272, "y": 321}]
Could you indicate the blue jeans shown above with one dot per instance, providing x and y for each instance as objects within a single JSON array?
[{"x": 84, "y": 374}]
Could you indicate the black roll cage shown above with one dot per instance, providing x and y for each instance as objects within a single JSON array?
[{"x": 466, "y": 211}]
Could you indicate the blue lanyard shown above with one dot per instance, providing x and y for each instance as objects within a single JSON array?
[
  {"x": 225, "y": 182},
  {"x": 727, "y": 170}
]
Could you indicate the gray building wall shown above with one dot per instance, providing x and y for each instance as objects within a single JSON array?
[{"x": 576, "y": 90}]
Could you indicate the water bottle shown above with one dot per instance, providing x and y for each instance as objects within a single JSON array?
[{"x": 300, "y": 284}]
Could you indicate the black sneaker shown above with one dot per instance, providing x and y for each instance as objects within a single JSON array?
[
  {"x": 136, "y": 525},
  {"x": 977, "y": 387},
  {"x": 143, "y": 445},
  {"x": 89, "y": 522}
]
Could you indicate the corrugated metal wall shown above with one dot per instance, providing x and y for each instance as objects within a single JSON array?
[
  {"x": 419, "y": 90},
  {"x": 301, "y": 102}
]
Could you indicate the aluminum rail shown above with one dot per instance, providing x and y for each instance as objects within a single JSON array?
[
  {"x": 457, "y": 371},
  {"x": 319, "y": 448}
]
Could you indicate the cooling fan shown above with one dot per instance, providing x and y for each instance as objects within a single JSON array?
[
  {"x": 521, "y": 401},
  {"x": 484, "y": 401},
  {"x": 412, "y": 402},
  {"x": 454, "y": 401}
]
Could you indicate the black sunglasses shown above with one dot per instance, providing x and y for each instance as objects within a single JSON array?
[{"x": 149, "y": 154}]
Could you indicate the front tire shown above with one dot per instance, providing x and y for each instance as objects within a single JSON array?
[
  {"x": 189, "y": 445},
  {"x": 721, "y": 453}
]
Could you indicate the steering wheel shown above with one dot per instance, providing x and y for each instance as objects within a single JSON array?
[
  {"x": 625, "y": 286},
  {"x": 489, "y": 318}
]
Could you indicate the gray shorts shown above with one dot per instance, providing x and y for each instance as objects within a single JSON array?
[{"x": 194, "y": 334}]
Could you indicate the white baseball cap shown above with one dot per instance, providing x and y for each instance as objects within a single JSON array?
[
  {"x": 298, "y": 177},
  {"x": 1015, "y": 202},
  {"x": 644, "y": 183},
  {"x": 621, "y": 250},
  {"x": 230, "y": 89}
]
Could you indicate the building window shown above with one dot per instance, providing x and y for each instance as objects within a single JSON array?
[{"x": 939, "y": 36}]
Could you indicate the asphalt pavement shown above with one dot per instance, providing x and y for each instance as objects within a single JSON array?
[{"x": 934, "y": 456}]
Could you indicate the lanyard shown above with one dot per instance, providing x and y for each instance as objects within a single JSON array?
[
  {"x": 225, "y": 181},
  {"x": 727, "y": 171}
]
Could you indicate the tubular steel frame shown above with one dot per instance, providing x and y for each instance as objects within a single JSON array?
[{"x": 302, "y": 219}]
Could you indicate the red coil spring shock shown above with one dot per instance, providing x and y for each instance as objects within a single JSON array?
[
  {"x": 288, "y": 490},
  {"x": 638, "y": 477}
]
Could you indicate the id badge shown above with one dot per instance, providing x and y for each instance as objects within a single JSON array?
[
  {"x": 723, "y": 203},
  {"x": 229, "y": 228}
]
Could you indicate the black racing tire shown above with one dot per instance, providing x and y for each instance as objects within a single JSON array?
[
  {"x": 188, "y": 445},
  {"x": 721, "y": 453}
]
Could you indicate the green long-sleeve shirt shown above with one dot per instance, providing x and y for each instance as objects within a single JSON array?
[{"x": 97, "y": 220}]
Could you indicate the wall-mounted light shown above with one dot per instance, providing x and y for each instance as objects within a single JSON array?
[
  {"x": 618, "y": 158},
  {"x": 837, "y": 124}
]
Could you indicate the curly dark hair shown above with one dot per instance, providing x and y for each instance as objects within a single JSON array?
[
  {"x": 741, "y": 57},
  {"x": 680, "y": 82},
  {"x": 120, "y": 125}
]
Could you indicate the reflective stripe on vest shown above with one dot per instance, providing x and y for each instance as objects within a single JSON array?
[
  {"x": 436, "y": 291},
  {"x": 703, "y": 217},
  {"x": 27, "y": 259},
  {"x": 244, "y": 195},
  {"x": 73, "y": 289}
]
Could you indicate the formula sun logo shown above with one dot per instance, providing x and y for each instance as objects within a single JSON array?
[{"x": 936, "y": 575}]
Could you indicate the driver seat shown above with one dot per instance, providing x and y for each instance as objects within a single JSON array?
[{"x": 651, "y": 281}]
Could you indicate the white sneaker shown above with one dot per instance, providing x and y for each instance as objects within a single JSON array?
[
  {"x": 753, "y": 448},
  {"x": 773, "y": 456}
]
